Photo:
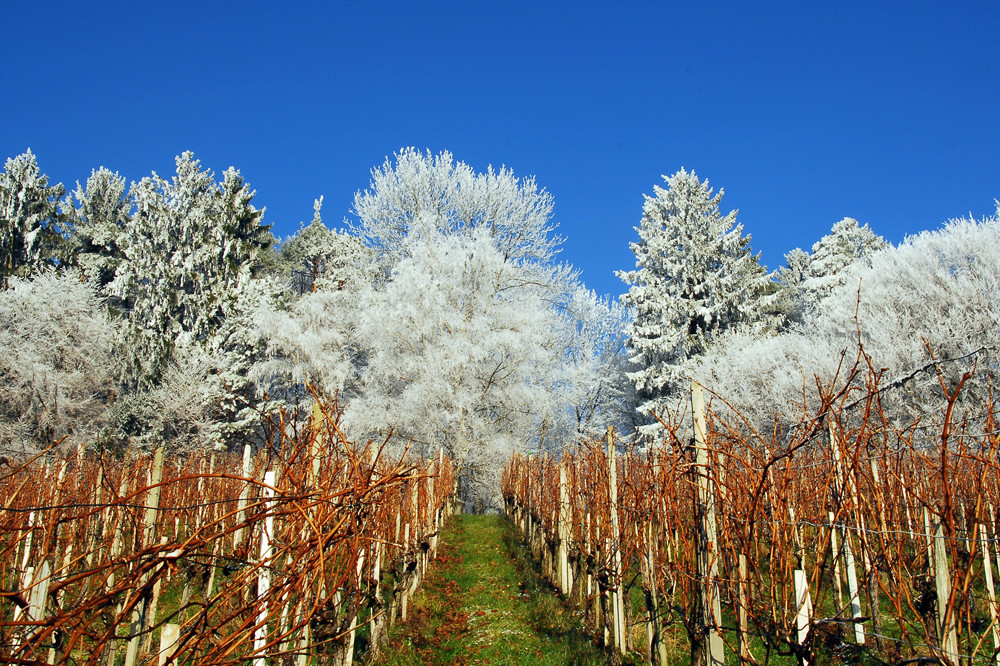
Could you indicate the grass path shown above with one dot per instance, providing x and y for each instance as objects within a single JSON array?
[{"x": 483, "y": 602}]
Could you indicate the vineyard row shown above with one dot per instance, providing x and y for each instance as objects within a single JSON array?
[
  {"x": 842, "y": 538},
  {"x": 311, "y": 548}
]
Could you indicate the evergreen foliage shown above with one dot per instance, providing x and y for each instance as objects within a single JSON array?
[
  {"x": 186, "y": 252},
  {"x": 695, "y": 279},
  {"x": 922, "y": 313},
  {"x": 101, "y": 214},
  {"x": 164, "y": 314},
  {"x": 809, "y": 278},
  {"x": 31, "y": 227},
  {"x": 318, "y": 253}
]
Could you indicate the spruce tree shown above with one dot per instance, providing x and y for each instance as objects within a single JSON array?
[
  {"x": 317, "y": 253},
  {"x": 31, "y": 226},
  {"x": 187, "y": 250},
  {"x": 101, "y": 214},
  {"x": 695, "y": 278}
]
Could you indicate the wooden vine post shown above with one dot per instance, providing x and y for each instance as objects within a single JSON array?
[
  {"x": 264, "y": 577},
  {"x": 984, "y": 543},
  {"x": 947, "y": 624},
  {"x": 565, "y": 584},
  {"x": 617, "y": 603},
  {"x": 241, "y": 504},
  {"x": 803, "y": 607},
  {"x": 708, "y": 555},
  {"x": 656, "y": 649},
  {"x": 140, "y": 615},
  {"x": 170, "y": 635},
  {"x": 848, "y": 553}
]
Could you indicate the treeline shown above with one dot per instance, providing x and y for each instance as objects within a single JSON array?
[
  {"x": 920, "y": 316},
  {"x": 168, "y": 312}
]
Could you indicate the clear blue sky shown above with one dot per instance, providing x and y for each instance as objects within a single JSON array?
[{"x": 803, "y": 112}]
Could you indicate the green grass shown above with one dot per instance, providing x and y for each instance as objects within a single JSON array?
[{"x": 484, "y": 602}]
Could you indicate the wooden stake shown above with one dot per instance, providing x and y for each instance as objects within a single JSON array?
[
  {"x": 947, "y": 620},
  {"x": 708, "y": 559},
  {"x": 141, "y": 614},
  {"x": 170, "y": 635},
  {"x": 984, "y": 537},
  {"x": 742, "y": 613},
  {"x": 147, "y": 642},
  {"x": 852, "y": 573},
  {"x": 264, "y": 577},
  {"x": 241, "y": 504},
  {"x": 564, "y": 531},
  {"x": 803, "y": 607},
  {"x": 617, "y": 603}
]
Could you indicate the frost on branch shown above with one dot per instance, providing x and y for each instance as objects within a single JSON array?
[
  {"x": 461, "y": 351},
  {"x": 809, "y": 278},
  {"x": 100, "y": 217},
  {"x": 186, "y": 252},
  {"x": 515, "y": 214},
  {"x": 316, "y": 254}
]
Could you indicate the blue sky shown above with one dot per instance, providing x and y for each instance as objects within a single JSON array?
[{"x": 803, "y": 112}]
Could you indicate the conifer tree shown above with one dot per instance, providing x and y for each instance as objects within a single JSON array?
[
  {"x": 101, "y": 214},
  {"x": 31, "y": 226},
  {"x": 695, "y": 278},
  {"x": 809, "y": 278},
  {"x": 188, "y": 248},
  {"x": 319, "y": 253}
]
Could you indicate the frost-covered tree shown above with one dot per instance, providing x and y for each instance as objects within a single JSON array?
[
  {"x": 597, "y": 364},
  {"x": 809, "y": 278},
  {"x": 937, "y": 292},
  {"x": 695, "y": 279},
  {"x": 515, "y": 213},
  {"x": 462, "y": 352},
  {"x": 206, "y": 395},
  {"x": 56, "y": 361},
  {"x": 847, "y": 242},
  {"x": 317, "y": 253},
  {"x": 463, "y": 340},
  {"x": 187, "y": 250},
  {"x": 31, "y": 226},
  {"x": 99, "y": 218},
  {"x": 309, "y": 342}
]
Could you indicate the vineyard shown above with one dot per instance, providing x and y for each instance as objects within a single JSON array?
[
  {"x": 310, "y": 548},
  {"x": 843, "y": 539}
]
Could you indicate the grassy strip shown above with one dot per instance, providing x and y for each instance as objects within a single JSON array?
[{"x": 485, "y": 603}]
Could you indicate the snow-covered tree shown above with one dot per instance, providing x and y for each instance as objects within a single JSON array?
[
  {"x": 937, "y": 292},
  {"x": 809, "y": 278},
  {"x": 515, "y": 213},
  {"x": 56, "y": 361},
  {"x": 597, "y": 386},
  {"x": 187, "y": 250},
  {"x": 99, "y": 218},
  {"x": 309, "y": 342},
  {"x": 31, "y": 226},
  {"x": 695, "y": 279},
  {"x": 462, "y": 352},
  {"x": 465, "y": 338},
  {"x": 317, "y": 253}
]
